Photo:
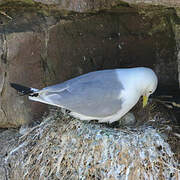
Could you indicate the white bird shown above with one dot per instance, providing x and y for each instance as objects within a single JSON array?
[{"x": 104, "y": 95}]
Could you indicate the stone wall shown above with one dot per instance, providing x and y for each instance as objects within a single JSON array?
[
  {"x": 175, "y": 3},
  {"x": 88, "y": 5},
  {"x": 42, "y": 45},
  {"x": 82, "y": 5}
]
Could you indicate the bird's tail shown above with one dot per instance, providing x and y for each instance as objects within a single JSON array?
[{"x": 23, "y": 90}]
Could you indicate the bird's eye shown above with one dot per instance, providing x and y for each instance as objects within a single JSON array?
[{"x": 150, "y": 92}]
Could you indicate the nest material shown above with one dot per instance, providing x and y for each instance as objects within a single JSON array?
[{"x": 65, "y": 148}]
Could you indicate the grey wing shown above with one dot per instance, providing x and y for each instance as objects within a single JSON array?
[
  {"x": 55, "y": 88},
  {"x": 99, "y": 98}
]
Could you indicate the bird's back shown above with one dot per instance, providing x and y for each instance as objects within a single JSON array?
[{"x": 96, "y": 93}]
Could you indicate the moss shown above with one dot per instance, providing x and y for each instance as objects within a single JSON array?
[
  {"x": 30, "y": 2},
  {"x": 24, "y": 6},
  {"x": 122, "y": 4},
  {"x": 11, "y": 6},
  {"x": 28, "y": 11}
]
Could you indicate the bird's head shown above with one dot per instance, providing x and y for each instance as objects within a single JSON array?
[{"x": 149, "y": 85}]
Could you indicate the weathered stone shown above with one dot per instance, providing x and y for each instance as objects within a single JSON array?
[
  {"x": 23, "y": 65},
  {"x": 84, "y": 5},
  {"x": 89, "y": 5},
  {"x": 113, "y": 39},
  {"x": 174, "y": 3}
]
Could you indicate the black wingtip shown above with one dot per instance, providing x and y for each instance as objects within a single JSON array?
[{"x": 23, "y": 90}]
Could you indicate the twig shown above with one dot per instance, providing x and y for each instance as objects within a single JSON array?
[{"x": 3, "y": 13}]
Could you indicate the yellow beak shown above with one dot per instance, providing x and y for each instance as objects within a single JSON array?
[{"x": 145, "y": 100}]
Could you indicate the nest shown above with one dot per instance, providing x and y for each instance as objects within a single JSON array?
[{"x": 65, "y": 148}]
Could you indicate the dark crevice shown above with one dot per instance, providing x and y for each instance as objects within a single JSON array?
[{"x": 5, "y": 48}]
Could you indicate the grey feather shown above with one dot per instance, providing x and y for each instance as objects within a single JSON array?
[{"x": 93, "y": 93}]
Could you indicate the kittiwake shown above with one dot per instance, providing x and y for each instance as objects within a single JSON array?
[{"x": 104, "y": 95}]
